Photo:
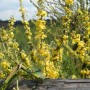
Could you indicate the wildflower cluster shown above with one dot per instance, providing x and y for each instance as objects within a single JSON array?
[
  {"x": 69, "y": 2},
  {"x": 9, "y": 48},
  {"x": 25, "y": 23},
  {"x": 25, "y": 59},
  {"x": 67, "y": 56},
  {"x": 41, "y": 53},
  {"x": 81, "y": 36}
]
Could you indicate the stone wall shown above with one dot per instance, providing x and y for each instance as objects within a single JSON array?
[{"x": 56, "y": 84}]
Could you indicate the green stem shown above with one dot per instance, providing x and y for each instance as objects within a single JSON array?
[
  {"x": 17, "y": 84},
  {"x": 5, "y": 85}
]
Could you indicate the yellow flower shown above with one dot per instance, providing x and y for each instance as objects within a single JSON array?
[
  {"x": 42, "y": 13},
  {"x": 8, "y": 70},
  {"x": 5, "y": 64},
  {"x": 10, "y": 43},
  {"x": 27, "y": 62},
  {"x": 69, "y": 2},
  {"x": 22, "y": 10},
  {"x": 4, "y": 33},
  {"x": 40, "y": 24},
  {"x": 15, "y": 45},
  {"x": 68, "y": 11},
  {"x": 65, "y": 37},
  {"x": 1, "y": 55},
  {"x": 86, "y": 18},
  {"x": 52, "y": 74},
  {"x": 88, "y": 63},
  {"x": 28, "y": 37},
  {"x": 50, "y": 70},
  {"x": 5, "y": 37},
  {"x": 1, "y": 75},
  {"x": 79, "y": 11},
  {"x": 74, "y": 77},
  {"x": 83, "y": 72},
  {"x": 88, "y": 72},
  {"x": 40, "y": 0},
  {"x": 81, "y": 44},
  {"x": 23, "y": 55},
  {"x": 11, "y": 34},
  {"x": 25, "y": 23},
  {"x": 61, "y": 53},
  {"x": 20, "y": 0}
]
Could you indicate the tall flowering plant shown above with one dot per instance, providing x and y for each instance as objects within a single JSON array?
[{"x": 67, "y": 56}]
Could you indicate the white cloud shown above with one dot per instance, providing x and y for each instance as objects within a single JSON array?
[
  {"x": 11, "y": 7},
  {"x": 31, "y": 12},
  {"x": 5, "y": 15}
]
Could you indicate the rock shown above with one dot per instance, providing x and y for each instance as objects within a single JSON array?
[{"x": 54, "y": 84}]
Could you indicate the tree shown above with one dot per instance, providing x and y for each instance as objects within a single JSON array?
[{"x": 55, "y": 8}]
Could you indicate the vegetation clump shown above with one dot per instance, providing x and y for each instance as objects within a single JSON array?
[{"x": 65, "y": 55}]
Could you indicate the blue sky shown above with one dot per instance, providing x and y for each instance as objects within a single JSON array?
[{"x": 11, "y": 7}]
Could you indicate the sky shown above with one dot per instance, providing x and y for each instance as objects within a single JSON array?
[{"x": 10, "y": 8}]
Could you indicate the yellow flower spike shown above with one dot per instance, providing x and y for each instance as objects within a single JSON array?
[
  {"x": 65, "y": 37},
  {"x": 25, "y": 22},
  {"x": 74, "y": 77},
  {"x": 42, "y": 13},
  {"x": 4, "y": 33},
  {"x": 68, "y": 11},
  {"x": 11, "y": 34},
  {"x": 82, "y": 52},
  {"x": 79, "y": 11},
  {"x": 28, "y": 37},
  {"x": 86, "y": 18},
  {"x": 20, "y": 0},
  {"x": 27, "y": 62},
  {"x": 1, "y": 55},
  {"x": 83, "y": 72},
  {"x": 22, "y": 10},
  {"x": 69, "y": 2},
  {"x": 81, "y": 44},
  {"x": 52, "y": 74},
  {"x": 87, "y": 72},
  {"x": 2, "y": 75},
  {"x": 88, "y": 63},
  {"x": 43, "y": 36},
  {"x": 8, "y": 70},
  {"x": 5, "y": 37},
  {"x": 61, "y": 53},
  {"x": 10, "y": 43},
  {"x": 50, "y": 70},
  {"x": 40, "y": 1},
  {"x": 40, "y": 24},
  {"x": 23, "y": 55},
  {"x": 5, "y": 64},
  {"x": 15, "y": 45}
]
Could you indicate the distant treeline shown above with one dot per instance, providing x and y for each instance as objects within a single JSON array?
[
  {"x": 18, "y": 23},
  {"x": 5, "y": 23}
]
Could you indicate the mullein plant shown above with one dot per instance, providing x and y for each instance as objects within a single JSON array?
[
  {"x": 9, "y": 52},
  {"x": 28, "y": 33},
  {"x": 14, "y": 62},
  {"x": 8, "y": 48},
  {"x": 25, "y": 23},
  {"x": 74, "y": 38},
  {"x": 41, "y": 53},
  {"x": 77, "y": 33},
  {"x": 81, "y": 39},
  {"x": 71, "y": 46}
]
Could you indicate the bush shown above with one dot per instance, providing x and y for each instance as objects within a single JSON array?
[{"x": 67, "y": 55}]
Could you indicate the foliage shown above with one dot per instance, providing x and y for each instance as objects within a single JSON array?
[
  {"x": 55, "y": 8},
  {"x": 65, "y": 55}
]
